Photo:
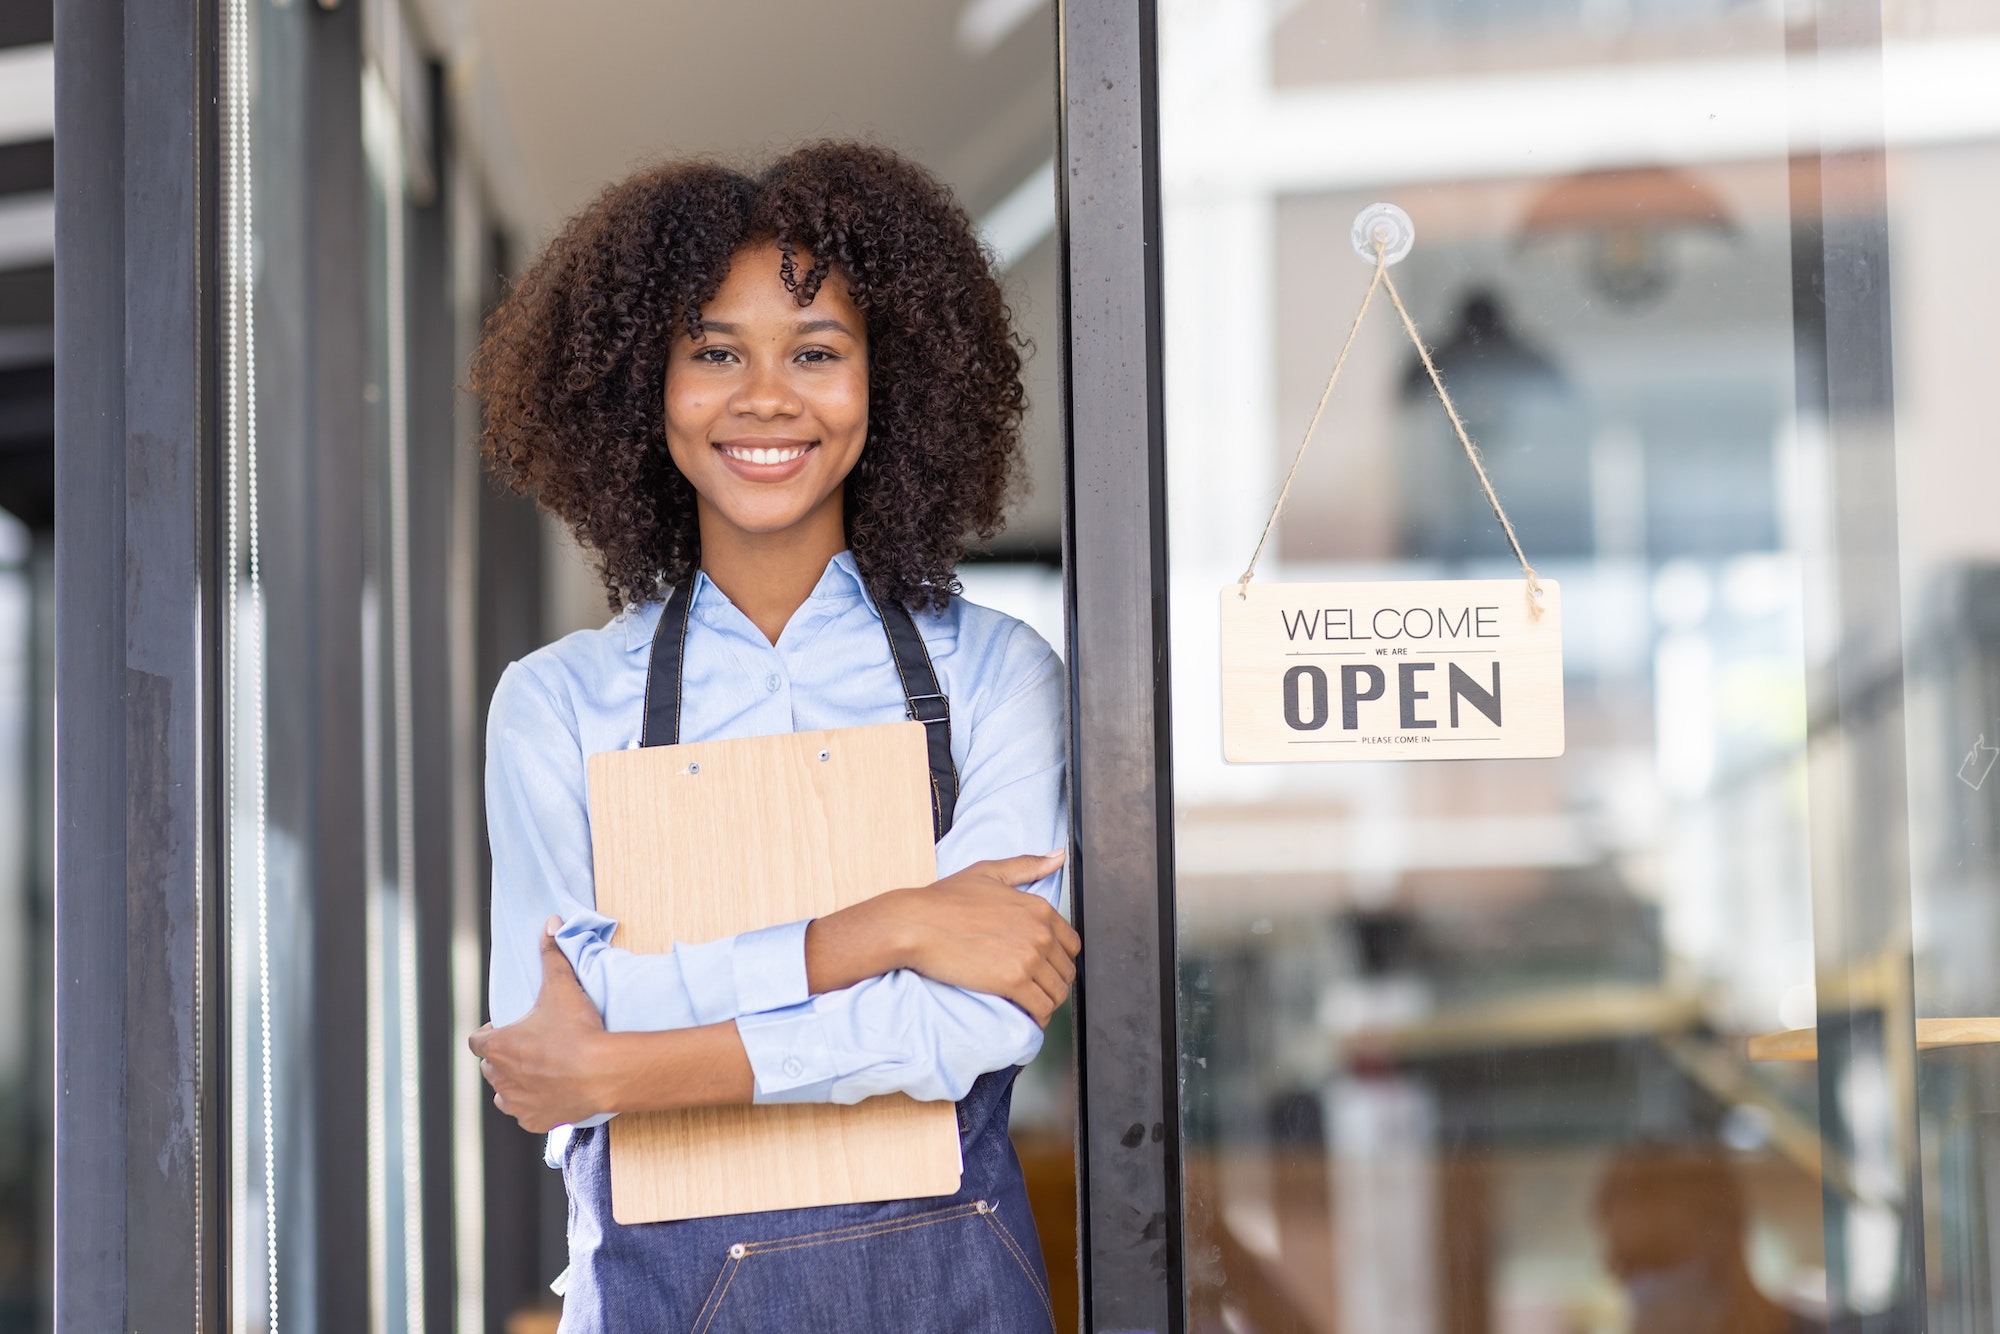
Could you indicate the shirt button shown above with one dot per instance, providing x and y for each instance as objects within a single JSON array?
[
  {"x": 793, "y": 1069},
  {"x": 771, "y": 682}
]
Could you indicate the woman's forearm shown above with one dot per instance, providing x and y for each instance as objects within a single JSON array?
[
  {"x": 852, "y": 945},
  {"x": 973, "y": 929},
  {"x": 674, "y": 1070}
]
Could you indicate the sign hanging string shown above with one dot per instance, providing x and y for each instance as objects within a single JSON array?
[{"x": 1382, "y": 279}]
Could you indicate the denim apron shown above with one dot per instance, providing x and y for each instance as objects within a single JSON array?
[{"x": 969, "y": 1261}]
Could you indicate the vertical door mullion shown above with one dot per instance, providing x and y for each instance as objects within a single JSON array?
[
  {"x": 336, "y": 245},
  {"x": 1115, "y": 549},
  {"x": 138, "y": 1151}
]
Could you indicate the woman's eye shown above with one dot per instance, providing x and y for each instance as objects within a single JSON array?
[
  {"x": 815, "y": 355},
  {"x": 713, "y": 355}
]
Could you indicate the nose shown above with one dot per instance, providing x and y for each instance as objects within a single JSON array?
[{"x": 766, "y": 392}]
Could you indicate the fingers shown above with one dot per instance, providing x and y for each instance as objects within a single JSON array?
[
  {"x": 480, "y": 1040},
  {"x": 1041, "y": 991},
  {"x": 1062, "y": 936},
  {"x": 1036, "y": 1002},
  {"x": 1026, "y": 870},
  {"x": 1063, "y": 964},
  {"x": 1018, "y": 871},
  {"x": 555, "y": 964},
  {"x": 1054, "y": 987}
]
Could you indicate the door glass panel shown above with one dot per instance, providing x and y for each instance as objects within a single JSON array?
[{"x": 1626, "y": 1039}]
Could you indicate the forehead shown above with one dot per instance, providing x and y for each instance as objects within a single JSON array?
[{"x": 755, "y": 288}]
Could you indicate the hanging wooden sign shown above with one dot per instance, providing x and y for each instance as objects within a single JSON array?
[{"x": 1447, "y": 670}]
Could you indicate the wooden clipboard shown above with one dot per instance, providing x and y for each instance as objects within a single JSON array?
[{"x": 709, "y": 839}]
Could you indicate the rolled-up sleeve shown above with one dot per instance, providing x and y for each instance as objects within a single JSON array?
[
  {"x": 538, "y": 821},
  {"x": 905, "y": 1033}
]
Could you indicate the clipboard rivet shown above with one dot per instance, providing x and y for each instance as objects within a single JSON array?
[
  {"x": 738, "y": 1251},
  {"x": 824, "y": 757},
  {"x": 695, "y": 768}
]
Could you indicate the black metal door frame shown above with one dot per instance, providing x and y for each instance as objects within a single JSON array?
[
  {"x": 1129, "y": 1142},
  {"x": 139, "y": 1219}
]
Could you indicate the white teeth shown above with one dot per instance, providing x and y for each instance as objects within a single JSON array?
[{"x": 765, "y": 454}]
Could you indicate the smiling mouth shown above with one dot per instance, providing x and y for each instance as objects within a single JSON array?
[{"x": 767, "y": 455}]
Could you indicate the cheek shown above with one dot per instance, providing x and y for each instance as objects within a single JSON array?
[
  {"x": 687, "y": 411},
  {"x": 848, "y": 404}
]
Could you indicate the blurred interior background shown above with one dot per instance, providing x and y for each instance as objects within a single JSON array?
[{"x": 27, "y": 656}]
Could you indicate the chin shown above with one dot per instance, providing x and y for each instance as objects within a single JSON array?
[{"x": 764, "y": 519}]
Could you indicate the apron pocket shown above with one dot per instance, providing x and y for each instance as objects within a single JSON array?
[{"x": 950, "y": 1268}]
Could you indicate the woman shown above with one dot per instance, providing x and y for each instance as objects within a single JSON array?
[{"x": 781, "y": 406}]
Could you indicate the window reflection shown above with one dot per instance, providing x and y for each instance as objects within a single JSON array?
[{"x": 1443, "y": 1023}]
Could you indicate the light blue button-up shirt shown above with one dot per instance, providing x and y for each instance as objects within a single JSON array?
[{"x": 830, "y": 668}]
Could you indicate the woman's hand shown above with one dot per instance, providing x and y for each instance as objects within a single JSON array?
[
  {"x": 976, "y": 929},
  {"x": 547, "y": 1067}
]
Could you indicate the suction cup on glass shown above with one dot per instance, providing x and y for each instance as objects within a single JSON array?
[{"x": 1386, "y": 224}]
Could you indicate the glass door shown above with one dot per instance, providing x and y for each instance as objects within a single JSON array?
[{"x": 1686, "y": 1029}]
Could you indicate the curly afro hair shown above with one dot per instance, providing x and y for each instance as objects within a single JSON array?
[{"x": 571, "y": 370}]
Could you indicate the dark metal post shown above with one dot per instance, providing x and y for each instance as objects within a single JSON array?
[
  {"x": 332, "y": 552},
  {"x": 1115, "y": 537},
  {"x": 138, "y": 1163}
]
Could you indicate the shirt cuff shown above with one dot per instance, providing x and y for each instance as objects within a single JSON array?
[
  {"x": 770, "y": 967},
  {"x": 747, "y": 974},
  {"x": 790, "y": 1057}
]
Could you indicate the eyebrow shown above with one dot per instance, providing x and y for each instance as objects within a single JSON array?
[{"x": 802, "y": 327}]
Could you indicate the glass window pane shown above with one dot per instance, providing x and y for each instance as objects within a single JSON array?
[
  {"x": 1942, "y": 207},
  {"x": 1728, "y": 955}
]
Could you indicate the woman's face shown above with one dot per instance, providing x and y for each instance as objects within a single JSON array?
[{"x": 767, "y": 412}]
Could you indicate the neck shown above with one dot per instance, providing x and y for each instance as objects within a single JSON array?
[{"x": 769, "y": 575}]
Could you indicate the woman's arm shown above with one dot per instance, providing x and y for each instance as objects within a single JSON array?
[
  {"x": 538, "y": 821},
  {"x": 557, "y": 1065},
  {"x": 974, "y": 929},
  {"x": 979, "y": 933},
  {"x": 895, "y": 1032},
  {"x": 903, "y": 1032}
]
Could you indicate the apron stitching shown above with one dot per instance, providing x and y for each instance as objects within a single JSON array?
[
  {"x": 752, "y": 1247},
  {"x": 1008, "y": 1241},
  {"x": 714, "y": 1304},
  {"x": 827, "y": 1239}
]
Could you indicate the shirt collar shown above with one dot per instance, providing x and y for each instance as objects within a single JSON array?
[{"x": 841, "y": 580}]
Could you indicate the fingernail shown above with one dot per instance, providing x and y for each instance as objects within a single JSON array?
[{"x": 553, "y": 925}]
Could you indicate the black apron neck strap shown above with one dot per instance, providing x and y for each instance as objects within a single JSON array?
[
  {"x": 662, "y": 725},
  {"x": 923, "y": 699}
]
